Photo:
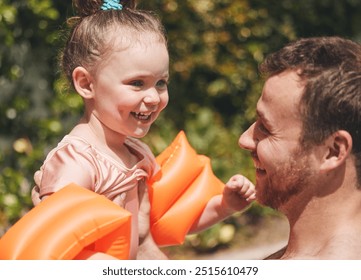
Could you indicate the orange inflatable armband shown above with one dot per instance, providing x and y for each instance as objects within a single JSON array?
[
  {"x": 179, "y": 192},
  {"x": 61, "y": 226},
  {"x": 74, "y": 220}
]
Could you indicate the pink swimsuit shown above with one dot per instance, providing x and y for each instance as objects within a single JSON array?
[{"x": 74, "y": 160}]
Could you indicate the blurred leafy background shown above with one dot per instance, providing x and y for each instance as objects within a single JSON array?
[{"x": 215, "y": 48}]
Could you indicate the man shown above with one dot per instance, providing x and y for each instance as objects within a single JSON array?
[{"x": 306, "y": 146}]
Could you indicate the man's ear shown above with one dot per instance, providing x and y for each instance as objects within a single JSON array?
[
  {"x": 338, "y": 148},
  {"x": 83, "y": 82}
]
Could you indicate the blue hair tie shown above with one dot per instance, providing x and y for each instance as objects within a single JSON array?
[{"x": 111, "y": 5}]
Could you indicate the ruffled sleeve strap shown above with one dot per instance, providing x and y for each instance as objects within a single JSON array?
[{"x": 64, "y": 165}]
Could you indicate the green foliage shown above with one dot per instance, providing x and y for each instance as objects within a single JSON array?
[{"x": 215, "y": 48}]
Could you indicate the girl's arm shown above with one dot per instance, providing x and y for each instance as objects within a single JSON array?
[{"x": 237, "y": 195}]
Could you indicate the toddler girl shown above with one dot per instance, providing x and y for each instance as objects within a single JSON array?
[{"x": 116, "y": 59}]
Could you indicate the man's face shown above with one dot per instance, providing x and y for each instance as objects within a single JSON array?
[{"x": 283, "y": 168}]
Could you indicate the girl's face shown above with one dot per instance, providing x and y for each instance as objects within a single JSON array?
[{"x": 130, "y": 87}]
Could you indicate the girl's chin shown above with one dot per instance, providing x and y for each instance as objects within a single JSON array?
[{"x": 140, "y": 133}]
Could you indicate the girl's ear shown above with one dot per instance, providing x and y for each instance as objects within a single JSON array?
[
  {"x": 83, "y": 82},
  {"x": 338, "y": 148}
]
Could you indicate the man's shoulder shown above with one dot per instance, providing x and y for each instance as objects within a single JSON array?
[{"x": 277, "y": 255}]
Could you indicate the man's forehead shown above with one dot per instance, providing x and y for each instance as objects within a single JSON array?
[{"x": 280, "y": 95}]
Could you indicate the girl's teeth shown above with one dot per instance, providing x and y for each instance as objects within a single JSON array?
[{"x": 141, "y": 116}]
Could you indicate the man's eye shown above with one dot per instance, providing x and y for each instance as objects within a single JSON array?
[
  {"x": 137, "y": 83},
  {"x": 261, "y": 128}
]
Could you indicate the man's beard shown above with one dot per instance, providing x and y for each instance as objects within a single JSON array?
[{"x": 287, "y": 181}]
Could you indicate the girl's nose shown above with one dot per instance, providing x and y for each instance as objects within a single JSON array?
[{"x": 152, "y": 96}]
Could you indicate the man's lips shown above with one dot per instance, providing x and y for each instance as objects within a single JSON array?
[{"x": 257, "y": 164}]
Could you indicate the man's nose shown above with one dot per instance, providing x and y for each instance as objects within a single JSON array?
[{"x": 247, "y": 140}]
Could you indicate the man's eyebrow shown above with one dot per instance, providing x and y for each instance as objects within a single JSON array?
[{"x": 262, "y": 117}]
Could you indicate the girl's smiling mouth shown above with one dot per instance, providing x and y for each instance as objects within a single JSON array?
[{"x": 141, "y": 116}]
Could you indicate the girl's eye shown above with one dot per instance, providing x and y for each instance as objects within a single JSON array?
[
  {"x": 137, "y": 83},
  {"x": 162, "y": 84}
]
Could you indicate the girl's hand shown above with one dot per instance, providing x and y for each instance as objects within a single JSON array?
[{"x": 238, "y": 193}]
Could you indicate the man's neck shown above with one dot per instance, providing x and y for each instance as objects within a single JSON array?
[{"x": 327, "y": 228}]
